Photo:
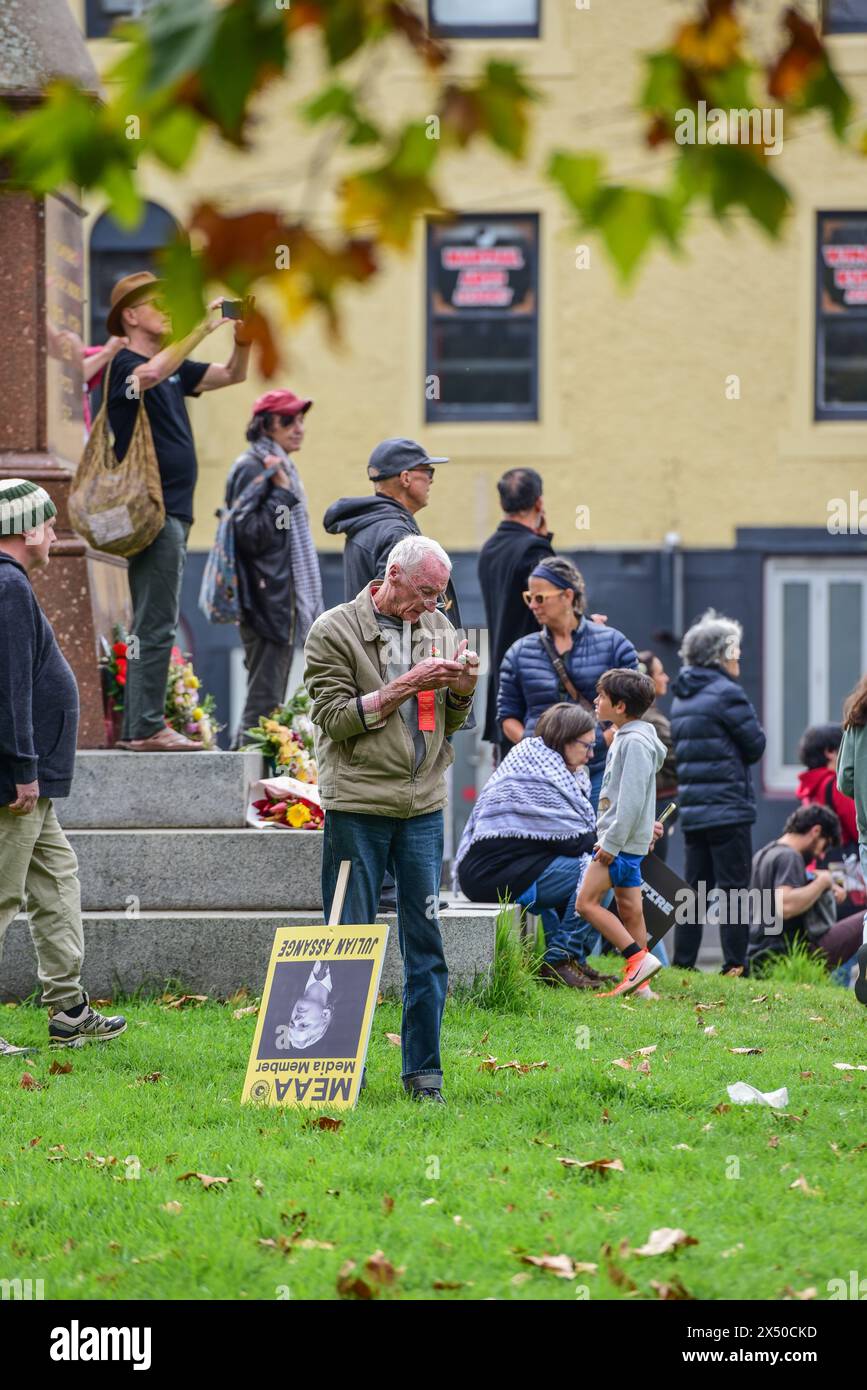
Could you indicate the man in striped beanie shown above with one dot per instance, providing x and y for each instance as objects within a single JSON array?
[{"x": 38, "y": 727}]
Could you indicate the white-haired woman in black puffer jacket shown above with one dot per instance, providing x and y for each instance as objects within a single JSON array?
[{"x": 717, "y": 737}]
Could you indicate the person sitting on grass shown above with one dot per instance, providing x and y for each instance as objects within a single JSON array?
[
  {"x": 804, "y": 904},
  {"x": 625, "y": 828},
  {"x": 530, "y": 835}
]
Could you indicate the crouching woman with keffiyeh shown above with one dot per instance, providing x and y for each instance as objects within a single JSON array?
[{"x": 530, "y": 836}]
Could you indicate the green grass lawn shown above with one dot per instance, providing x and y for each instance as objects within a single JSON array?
[{"x": 455, "y": 1195}]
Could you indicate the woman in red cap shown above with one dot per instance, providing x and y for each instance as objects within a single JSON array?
[{"x": 280, "y": 587}]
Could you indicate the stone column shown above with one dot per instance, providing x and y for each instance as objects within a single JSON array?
[{"x": 41, "y": 295}]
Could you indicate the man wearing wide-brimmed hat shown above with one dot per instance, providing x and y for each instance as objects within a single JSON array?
[
  {"x": 38, "y": 726},
  {"x": 164, "y": 373}
]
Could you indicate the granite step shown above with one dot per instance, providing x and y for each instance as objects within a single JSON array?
[
  {"x": 173, "y": 870},
  {"x": 216, "y": 953},
  {"x": 146, "y": 791}
]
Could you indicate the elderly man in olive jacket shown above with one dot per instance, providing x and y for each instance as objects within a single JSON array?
[{"x": 390, "y": 684}]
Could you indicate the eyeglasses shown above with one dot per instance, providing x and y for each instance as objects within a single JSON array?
[
  {"x": 438, "y": 599},
  {"x": 532, "y": 599},
  {"x": 423, "y": 468},
  {"x": 588, "y": 744}
]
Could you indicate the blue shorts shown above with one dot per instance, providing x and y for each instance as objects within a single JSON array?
[{"x": 625, "y": 870}]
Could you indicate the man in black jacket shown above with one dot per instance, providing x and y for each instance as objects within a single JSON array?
[
  {"x": 402, "y": 474},
  {"x": 521, "y": 541},
  {"x": 38, "y": 727}
]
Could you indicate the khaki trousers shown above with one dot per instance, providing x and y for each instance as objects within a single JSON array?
[{"x": 37, "y": 863}]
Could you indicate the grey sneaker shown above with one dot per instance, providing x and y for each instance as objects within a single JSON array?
[
  {"x": 8, "y": 1050},
  {"x": 89, "y": 1026}
]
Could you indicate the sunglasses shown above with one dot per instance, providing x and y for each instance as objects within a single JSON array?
[{"x": 531, "y": 599}]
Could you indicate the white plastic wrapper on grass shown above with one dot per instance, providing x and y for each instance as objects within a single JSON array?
[{"x": 742, "y": 1093}]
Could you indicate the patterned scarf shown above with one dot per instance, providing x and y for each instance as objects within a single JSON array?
[
  {"x": 306, "y": 578},
  {"x": 532, "y": 795}
]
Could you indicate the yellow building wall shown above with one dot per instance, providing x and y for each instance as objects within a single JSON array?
[{"x": 635, "y": 422}]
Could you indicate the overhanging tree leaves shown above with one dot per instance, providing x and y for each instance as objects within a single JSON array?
[{"x": 196, "y": 66}]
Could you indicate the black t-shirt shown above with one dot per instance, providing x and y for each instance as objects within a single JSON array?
[
  {"x": 169, "y": 421},
  {"x": 510, "y": 863}
]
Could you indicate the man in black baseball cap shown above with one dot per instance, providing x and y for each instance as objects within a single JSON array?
[{"x": 402, "y": 473}]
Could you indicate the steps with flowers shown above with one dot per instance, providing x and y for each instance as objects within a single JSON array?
[{"x": 175, "y": 887}]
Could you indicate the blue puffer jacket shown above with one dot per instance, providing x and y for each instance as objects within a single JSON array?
[
  {"x": 717, "y": 735},
  {"x": 529, "y": 684}
]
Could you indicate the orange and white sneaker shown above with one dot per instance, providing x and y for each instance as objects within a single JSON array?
[{"x": 636, "y": 971}]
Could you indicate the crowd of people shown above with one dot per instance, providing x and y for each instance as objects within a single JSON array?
[{"x": 586, "y": 763}]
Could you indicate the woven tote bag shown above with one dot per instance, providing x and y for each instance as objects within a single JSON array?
[{"x": 118, "y": 507}]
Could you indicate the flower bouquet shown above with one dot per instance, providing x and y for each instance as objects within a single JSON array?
[
  {"x": 286, "y": 802},
  {"x": 285, "y": 739},
  {"x": 186, "y": 709}
]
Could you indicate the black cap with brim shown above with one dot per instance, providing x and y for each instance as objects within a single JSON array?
[{"x": 394, "y": 456}]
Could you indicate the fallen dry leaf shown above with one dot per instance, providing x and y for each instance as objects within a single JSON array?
[
  {"x": 774, "y": 1141},
  {"x": 180, "y": 1001},
  {"x": 388, "y": 1204},
  {"x": 151, "y": 1078},
  {"x": 325, "y": 1122},
  {"x": 726, "y": 1254},
  {"x": 849, "y": 1066},
  {"x": 805, "y": 1075},
  {"x": 447, "y": 1284},
  {"x": 204, "y": 1179},
  {"x": 242, "y": 1013},
  {"x": 645, "y": 1051},
  {"x": 351, "y": 1285},
  {"x": 173, "y": 1208},
  {"x": 624, "y": 1062},
  {"x": 673, "y": 1289},
  {"x": 746, "y": 1051},
  {"x": 605, "y": 1118},
  {"x": 305, "y": 1243},
  {"x": 702, "y": 1008},
  {"x": 562, "y": 1265},
  {"x": 596, "y": 1165},
  {"x": 802, "y": 1185},
  {"x": 259, "y": 1186},
  {"x": 381, "y": 1270},
  {"x": 683, "y": 1146},
  {"x": 759, "y": 999},
  {"x": 484, "y": 1038},
  {"x": 816, "y": 1018},
  {"x": 644, "y": 1067},
  {"x": 722, "y": 1108},
  {"x": 59, "y": 1068},
  {"x": 29, "y": 1083},
  {"x": 663, "y": 1241},
  {"x": 803, "y": 1295},
  {"x": 430, "y": 1202},
  {"x": 491, "y": 1064},
  {"x": 709, "y": 1031},
  {"x": 394, "y": 1039}
]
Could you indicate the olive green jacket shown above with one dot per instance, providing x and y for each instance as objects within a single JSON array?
[{"x": 372, "y": 770}]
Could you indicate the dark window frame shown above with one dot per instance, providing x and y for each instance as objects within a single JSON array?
[
  {"x": 855, "y": 26},
  {"x": 821, "y": 412},
  {"x": 98, "y": 24},
  {"x": 485, "y": 31},
  {"x": 435, "y": 411}
]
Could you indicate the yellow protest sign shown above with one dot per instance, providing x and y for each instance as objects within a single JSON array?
[{"x": 315, "y": 1017}]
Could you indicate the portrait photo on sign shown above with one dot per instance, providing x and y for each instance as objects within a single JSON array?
[{"x": 316, "y": 1009}]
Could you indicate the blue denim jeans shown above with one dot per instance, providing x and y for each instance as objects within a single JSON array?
[
  {"x": 413, "y": 851},
  {"x": 567, "y": 936}
]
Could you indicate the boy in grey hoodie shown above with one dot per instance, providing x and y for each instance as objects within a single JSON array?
[{"x": 624, "y": 829}]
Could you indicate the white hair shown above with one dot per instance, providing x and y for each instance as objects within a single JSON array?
[
  {"x": 411, "y": 553},
  {"x": 711, "y": 640}
]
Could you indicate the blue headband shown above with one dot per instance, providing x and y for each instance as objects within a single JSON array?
[{"x": 543, "y": 572}]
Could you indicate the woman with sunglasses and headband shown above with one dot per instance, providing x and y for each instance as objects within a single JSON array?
[
  {"x": 562, "y": 661},
  {"x": 280, "y": 587}
]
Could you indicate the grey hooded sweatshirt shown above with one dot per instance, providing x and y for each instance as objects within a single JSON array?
[{"x": 627, "y": 798}]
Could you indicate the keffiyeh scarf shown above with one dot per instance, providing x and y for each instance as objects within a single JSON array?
[{"x": 532, "y": 795}]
